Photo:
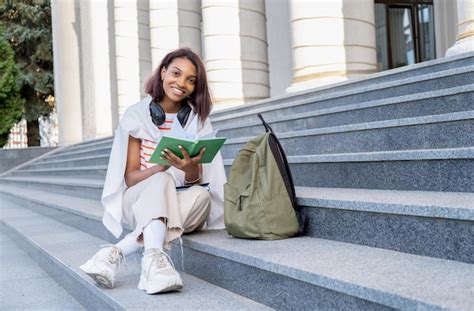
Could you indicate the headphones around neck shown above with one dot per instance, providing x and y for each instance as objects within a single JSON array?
[{"x": 158, "y": 115}]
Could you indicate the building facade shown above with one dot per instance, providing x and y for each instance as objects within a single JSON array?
[{"x": 104, "y": 50}]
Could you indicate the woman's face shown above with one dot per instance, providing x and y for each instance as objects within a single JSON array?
[{"x": 179, "y": 79}]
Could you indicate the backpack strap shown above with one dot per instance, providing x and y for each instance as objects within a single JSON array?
[
  {"x": 265, "y": 124},
  {"x": 281, "y": 160}
]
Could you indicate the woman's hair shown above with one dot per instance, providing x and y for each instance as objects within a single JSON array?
[{"x": 200, "y": 99}]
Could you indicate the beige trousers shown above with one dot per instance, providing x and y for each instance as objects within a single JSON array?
[{"x": 156, "y": 197}]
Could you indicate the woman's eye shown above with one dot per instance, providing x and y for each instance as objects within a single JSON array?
[
  {"x": 175, "y": 73},
  {"x": 192, "y": 81}
]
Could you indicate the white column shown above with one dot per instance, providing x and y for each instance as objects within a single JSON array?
[
  {"x": 174, "y": 24},
  {"x": 235, "y": 49},
  {"x": 332, "y": 41},
  {"x": 144, "y": 48},
  {"x": 97, "y": 101},
  {"x": 127, "y": 53},
  {"x": 67, "y": 77},
  {"x": 465, "y": 37}
]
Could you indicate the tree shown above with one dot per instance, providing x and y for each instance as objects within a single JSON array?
[
  {"x": 11, "y": 104},
  {"x": 27, "y": 26}
]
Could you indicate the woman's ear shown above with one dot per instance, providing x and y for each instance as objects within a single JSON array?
[{"x": 162, "y": 73}]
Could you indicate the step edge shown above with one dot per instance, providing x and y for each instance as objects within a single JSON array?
[
  {"x": 319, "y": 97},
  {"x": 359, "y": 106},
  {"x": 25, "y": 241},
  {"x": 372, "y": 125}
]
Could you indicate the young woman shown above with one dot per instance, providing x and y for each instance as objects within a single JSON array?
[{"x": 144, "y": 195}]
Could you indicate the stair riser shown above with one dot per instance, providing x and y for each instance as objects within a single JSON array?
[
  {"x": 425, "y": 136},
  {"x": 426, "y": 236},
  {"x": 84, "y": 293},
  {"x": 273, "y": 289},
  {"x": 421, "y": 175},
  {"x": 92, "y": 174},
  {"x": 91, "y": 144},
  {"x": 72, "y": 163},
  {"x": 94, "y": 152},
  {"x": 242, "y": 279},
  {"x": 414, "y": 87},
  {"x": 75, "y": 191},
  {"x": 80, "y": 147},
  {"x": 460, "y": 63},
  {"x": 432, "y": 106},
  {"x": 92, "y": 225}
]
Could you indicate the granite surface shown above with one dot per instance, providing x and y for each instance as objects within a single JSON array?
[
  {"x": 278, "y": 258},
  {"x": 429, "y": 82},
  {"x": 75, "y": 162},
  {"x": 454, "y": 175},
  {"x": 25, "y": 286},
  {"x": 61, "y": 249},
  {"x": 433, "y": 204},
  {"x": 386, "y": 277},
  {"x": 82, "y": 188},
  {"x": 424, "y": 68},
  {"x": 448, "y": 239},
  {"x": 429, "y": 132},
  {"x": 405, "y": 106}
]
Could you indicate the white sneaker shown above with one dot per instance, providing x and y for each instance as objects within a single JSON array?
[
  {"x": 158, "y": 275},
  {"x": 103, "y": 265}
]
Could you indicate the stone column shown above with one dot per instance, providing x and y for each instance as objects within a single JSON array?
[
  {"x": 235, "y": 50},
  {"x": 332, "y": 41},
  {"x": 95, "y": 60},
  {"x": 174, "y": 24},
  {"x": 144, "y": 48},
  {"x": 127, "y": 53},
  {"x": 465, "y": 37},
  {"x": 67, "y": 88}
]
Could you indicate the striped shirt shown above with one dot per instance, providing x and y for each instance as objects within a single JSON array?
[{"x": 148, "y": 146}]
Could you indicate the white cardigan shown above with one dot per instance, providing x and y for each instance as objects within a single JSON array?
[{"x": 137, "y": 123}]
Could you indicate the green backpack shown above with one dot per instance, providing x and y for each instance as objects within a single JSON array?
[{"x": 259, "y": 196}]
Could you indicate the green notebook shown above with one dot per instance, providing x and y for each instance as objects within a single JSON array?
[{"x": 193, "y": 147}]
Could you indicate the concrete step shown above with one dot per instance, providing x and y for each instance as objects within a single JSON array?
[
  {"x": 72, "y": 186},
  {"x": 392, "y": 82},
  {"x": 312, "y": 273},
  {"x": 423, "y": 104},
  {"x": 91, "y": 143},
  {"x": 428, "y": 132},
  {"x": 93, "y": 172},
  {"x": 60, "y": 249},
  {"x": 434, "y": 224},
  {"x": 448, "y": 170},
  {"x": 71, "y": 162},
  {"x": 103, "y": 149},
  {"x": 325, "y": 274},
  {"x": 25, "y": 286}
]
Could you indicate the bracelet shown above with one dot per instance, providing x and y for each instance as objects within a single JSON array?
[{"x": 192, "y": 181}]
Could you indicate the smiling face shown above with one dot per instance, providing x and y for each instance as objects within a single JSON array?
[{"x": 179, "y": 81}]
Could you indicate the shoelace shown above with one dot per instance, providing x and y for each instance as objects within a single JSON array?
[
  {"x": 115, "y": 255},
  {"x": 158, "y": 260}
]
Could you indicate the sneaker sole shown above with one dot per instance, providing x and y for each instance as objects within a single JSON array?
[
  {"x": 168, "y": 289},
  {"x": 101, "y": 280},
  {"x": 142, "y": 286}
]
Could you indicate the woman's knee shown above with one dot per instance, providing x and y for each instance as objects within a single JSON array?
[{"x": 203, "y": 197}]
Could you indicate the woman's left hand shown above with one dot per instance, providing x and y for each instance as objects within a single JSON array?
[{"x": 190, "y": 166}]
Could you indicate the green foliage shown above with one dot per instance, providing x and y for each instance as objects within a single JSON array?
[
  {"x": 11, "y": 104},
  {"x": 27, "y": 26}
]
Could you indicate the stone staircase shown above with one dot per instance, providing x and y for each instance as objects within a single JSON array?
[{"x": 385, "y": 176}]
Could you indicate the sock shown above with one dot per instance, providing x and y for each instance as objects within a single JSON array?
[
  {"x": 128, "y": 245},
  {"x": 154, "y": 235}
]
